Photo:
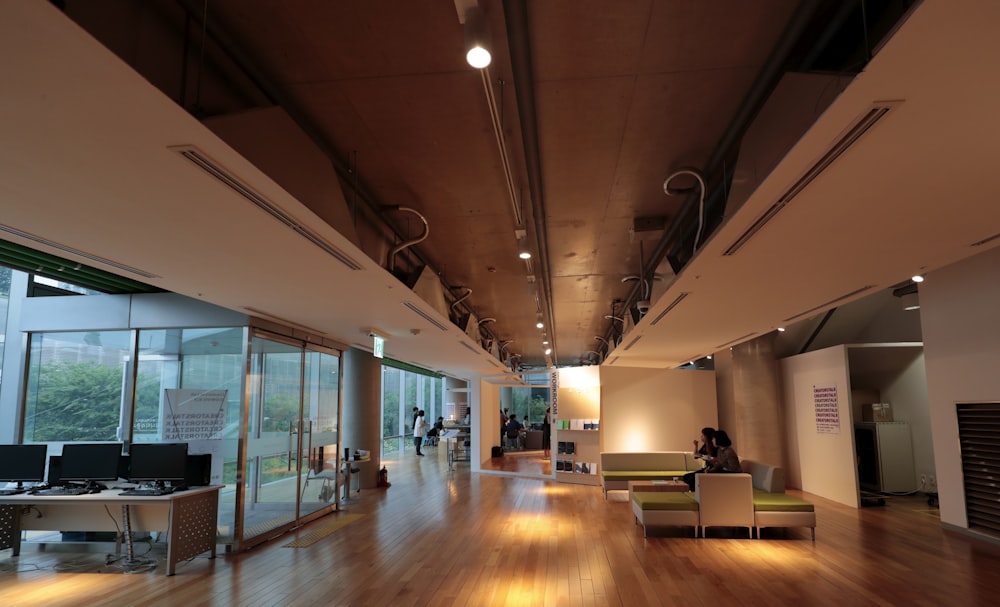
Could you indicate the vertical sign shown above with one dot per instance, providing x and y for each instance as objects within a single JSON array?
[
  {"x": 379, "y": 346},
  {"x": 827, "y": 409},
  {"x": 554, "y": 393}
]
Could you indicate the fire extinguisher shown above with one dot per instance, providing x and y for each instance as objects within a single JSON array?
[{"x": 383, "y": 478}]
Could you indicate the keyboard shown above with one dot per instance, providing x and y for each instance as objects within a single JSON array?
[
  {"x": 143, "y": 492},
  {"x": 63, "y": 491}
]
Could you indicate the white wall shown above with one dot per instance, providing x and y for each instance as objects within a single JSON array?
[
  {"x": 959, "y": 308},
  {"x": 655, "y": 409},
  {"x": 822, "y": 464},
  {"x": 486, "y": 417}
]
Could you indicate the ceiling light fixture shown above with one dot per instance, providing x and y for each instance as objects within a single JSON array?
[
  {"x": 522, "y": 244},
  {"x": 476, "y": 38},
  {"x": 917, "y": 278},
  {"x": 540, "y": 324}
]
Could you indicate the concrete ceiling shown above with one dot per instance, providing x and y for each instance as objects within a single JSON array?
[{"x": 616, "y": 97}]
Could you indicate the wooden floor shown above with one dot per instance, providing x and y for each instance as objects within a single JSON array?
[{"x": 440, "y": 538}]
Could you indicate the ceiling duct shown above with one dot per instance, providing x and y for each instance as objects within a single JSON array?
[
  {"x": 75, "y": 252},
  {"x": 632, "y": 343},
  {"x": 739, "y": 339},
  {"x": 988, "y": 239},
  {"x": 203, "y": 162},
  {"x": 829, "y": 303},
  {"x": 667, "y": 310},
  {"x": 469, "y": 348},
  {"x": 841, "y": 145},
  {"x": 425, "y": 315}
]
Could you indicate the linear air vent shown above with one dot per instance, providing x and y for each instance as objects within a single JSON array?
[
  {"x": 498, "y": 363},
  {"x": 269, "y": 316},
  {"x": 980, "y": 243},
  {"x": 206, "y": 164},
  {"x": 738, "y": 340},
  {"x": 632, "y": 343},
  {"x": 424, "y": 315},
  {"x": 613, "y": 360},
  {"x": 469, "y": 348},
  {"x": 76, "y": 252},
  {"x": 672, "y": 305},
  {"x": 830, "y": 303},
  {"x": 848, "y": 137}
]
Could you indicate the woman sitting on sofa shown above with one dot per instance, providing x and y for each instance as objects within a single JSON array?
[
  {"x": 726, "y": 459},
  {"x": 704, "y": 450}
]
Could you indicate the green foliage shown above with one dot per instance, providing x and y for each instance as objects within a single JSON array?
[
  {"x": 74, "y": 402},
  {"x": 4, "y": 281}
]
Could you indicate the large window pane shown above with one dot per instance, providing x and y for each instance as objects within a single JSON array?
[{"x": 75, "y": 386}]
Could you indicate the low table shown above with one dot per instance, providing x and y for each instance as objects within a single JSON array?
[{"x": 656, "y": 486}]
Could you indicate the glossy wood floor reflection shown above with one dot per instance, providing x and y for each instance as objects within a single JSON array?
[{"x": 440, "y": 538}]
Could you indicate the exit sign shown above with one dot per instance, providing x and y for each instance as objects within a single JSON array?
[{"x": 379, "y": 346}]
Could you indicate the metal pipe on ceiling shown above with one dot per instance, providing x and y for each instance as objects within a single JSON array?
[
  {"x": 518, "y": 40},
  {"x": 768, "y": 78},
  {"x": 277, "y": 96}
]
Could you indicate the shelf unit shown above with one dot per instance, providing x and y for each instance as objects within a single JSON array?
[{"x": 582, "y": 405}]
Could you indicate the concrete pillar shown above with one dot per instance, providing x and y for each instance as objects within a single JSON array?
[
  {"x": 757, "y": 398},
  {"x": 361, "y": 416}
]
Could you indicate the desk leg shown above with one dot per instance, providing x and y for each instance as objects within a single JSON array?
[
  {"x": 10, "y": 529},
  {"x": 193, "y": 527}
]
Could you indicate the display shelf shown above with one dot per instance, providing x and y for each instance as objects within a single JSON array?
[{"x": 576, "y": 435}]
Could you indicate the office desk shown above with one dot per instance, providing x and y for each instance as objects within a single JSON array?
[{"x": 188, "y": 517}]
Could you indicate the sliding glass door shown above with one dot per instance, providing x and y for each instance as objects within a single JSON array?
[{"x": 292, "y": 434}]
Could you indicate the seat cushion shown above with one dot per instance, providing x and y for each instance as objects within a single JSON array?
[
  {"x": 780, "y": 502},
  {"x": 664, "y": 501}
]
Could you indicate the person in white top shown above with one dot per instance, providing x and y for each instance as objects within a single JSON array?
[{"x": 419, "y": 430}]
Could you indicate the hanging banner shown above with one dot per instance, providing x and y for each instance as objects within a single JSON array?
[
  {"x": 827, "y": 409},
  {"x": 193, "y": 414}
]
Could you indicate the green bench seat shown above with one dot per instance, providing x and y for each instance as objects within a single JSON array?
[
  {"x": 665, "y": 509},
  {"x": 782, "y": 510}
]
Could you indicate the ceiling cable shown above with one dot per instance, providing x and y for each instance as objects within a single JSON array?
[{"x": 669, "y": 191}]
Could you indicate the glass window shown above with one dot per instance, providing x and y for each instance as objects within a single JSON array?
[
  {"x": 4, "y": 301},
  {"x": 75, "y": 386}
]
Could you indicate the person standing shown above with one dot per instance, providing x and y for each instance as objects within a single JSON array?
[
  {"x": 419, "y": 430},
  {"x": 547, "y": 432}
]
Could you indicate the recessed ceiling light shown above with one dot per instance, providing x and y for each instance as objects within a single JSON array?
[
  {"x": 540, "y": 324},
  {"x": 917, "y": 278},
  {"x": 781, "y": 329}
]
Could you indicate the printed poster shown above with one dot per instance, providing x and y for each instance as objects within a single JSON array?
[
  {"x": 193, "y": 414},
  {"x": 827, "y": 409}
]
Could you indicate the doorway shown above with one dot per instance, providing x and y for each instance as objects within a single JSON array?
[{"x": 291, "y": 465}]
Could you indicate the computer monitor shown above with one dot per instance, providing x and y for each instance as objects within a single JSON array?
[
  {"x": 22, "y": 464},
  {"x": 90, "y": 462},
  {"x": 158, "y": 463}
]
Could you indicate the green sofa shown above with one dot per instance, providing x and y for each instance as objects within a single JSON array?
[{"x": 619, "y": 467}]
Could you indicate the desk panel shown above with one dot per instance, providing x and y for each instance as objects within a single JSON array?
[{"x": 188, "y": 517}]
